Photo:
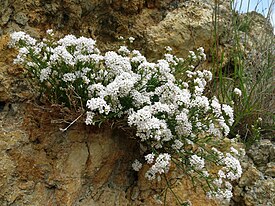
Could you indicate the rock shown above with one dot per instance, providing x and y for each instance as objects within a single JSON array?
[
  {"x": 250, "y": 176},
  {"x": 257, "y": 184},
  {"x": 262, "y": 193},
  {"x": 179, "y": 28},
  {"x": 260, "y": 153},
  {"x": 40, "y": 165},
  {"x": 13, "y": 86},
  {"x": 270, "y": 171},
  {"x": 21, "y": 18},
  {"x": 6, "y": 17}
]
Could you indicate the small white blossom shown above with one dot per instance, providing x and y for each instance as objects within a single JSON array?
[
  {"x": 234, "y": 151},
  {"x": 89, "y": 119},
  {"x": 229, "y": 112},
  {"x": 232, "y": 167},
  {"x": 161, "y": 165},
  {"x": 192, "y": 55},
  {"x": 131, "y": 39},
  {"x": 45, "y": 74},
  {"x": 98, "y": 104},
  {"x": 197, "y": 162},
  {"x": 136, "y": 165},
  {"x": 69, "y": 77},
  {"x": 238, "y": 92},
  {"x": 150, "y": 158},
  {"x": 50, "y": 32},
  {"x": 123, "y": 50},
  {"x": 168, "y": 48},
  {"x": 201, "y": 53},
  {"x": 21, "y": 36}
]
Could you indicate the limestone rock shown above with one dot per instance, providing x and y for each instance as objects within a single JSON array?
[
  {"x": 257, "y": 184},
  {"x": 40, "y": 165},
  {"x": 262, "y": 193},
  {"x": 270, "y": 170},
  {"x": 13, "y": 86},
  {"x": 21, "y": 18},
  {"x": 183, "y": 29},
  {"x": 250, "y": 176},
  {"x": 260, "y": 152}
]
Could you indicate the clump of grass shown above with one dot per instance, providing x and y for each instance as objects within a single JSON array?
[{"x": 249, "y": 67}]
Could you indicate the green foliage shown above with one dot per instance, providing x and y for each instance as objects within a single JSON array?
[{"x": 249, "y": 66}]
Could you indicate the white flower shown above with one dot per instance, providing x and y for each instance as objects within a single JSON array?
[
  {"x": 232, "y": 167},
  {"x": 207, "y": 75},
  {"x": 229, "y": 112},
  {"x": 123, "y": 50},
  {"x": 131, "y": 39},
  {"x": 86, "y": 79},
  {"x": 21, "y": 57},
  {"x": 21, "y": 36},
  {"x": 163, "y": 66},
  {"x": 69, "y": 77},
  {"x": 259, "y": 119},
  {"x": 197, "y": 162},
  {"x": 162, "y": 164},
  {"x": 122, "y": 84},
  {"x": 97, "y": 90},
  {"x": 205, "y": 173},
  {"x": 136, "y": 165},
  {"x": 168, "y": 48},
  {"x": 192, "y": 55},
  {"x": 50, "y": 32},
  {"x": 201, "y": 53},
  {"x": 140, "y": 99},
  {"x": 45, "y": 74},
  {"x": 98, "y": 104},
  {"x": 170, "y": 59},
  {"x": 116, "y": 63},
  {"x": 238, "y": 92},
  {"x": 60, "y": 53},
  {"x": 234, "y": 151},
  {"x": 216, "y": 106},
  {"x": 150, "y": 158},
  {"x": 89, "y": 118},
  {"x": 202, "y": 102},
  {"x": 221, "y": 174},
  {"x": 184, "y": 126}
]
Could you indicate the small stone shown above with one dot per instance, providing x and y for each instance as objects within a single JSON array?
[
  {"x": 21, "y": 18},
  {"x": 270, "y": 171},
  {"x": 6, "y": 17},
  {"x": 260, "y": 152},
  {"x": 249, "y": 177}
]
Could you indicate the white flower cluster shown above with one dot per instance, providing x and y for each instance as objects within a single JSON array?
[
  {"x": 230, "y": 171},
  {"x": 197, "y": 162},
  {"x": 170, "y": 116},
  {"x": 62, "y": 58},
  {"x": 198, "y": 55},
  {"x": 161, "y": 165}
]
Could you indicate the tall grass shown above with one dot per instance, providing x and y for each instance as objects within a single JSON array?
[{"x": 248, "y": 65}]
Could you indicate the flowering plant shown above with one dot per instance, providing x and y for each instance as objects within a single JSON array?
[{"x": 174, "y": 121}]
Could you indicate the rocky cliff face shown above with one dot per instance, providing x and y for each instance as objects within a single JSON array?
[
  {"x": 182, "y": 24},
  {"x": 39, "y": 164}
]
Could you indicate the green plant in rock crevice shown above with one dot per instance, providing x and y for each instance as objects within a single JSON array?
[
  {"x": 250, "y": 70},
  {"x": 174, "y": 121}
]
